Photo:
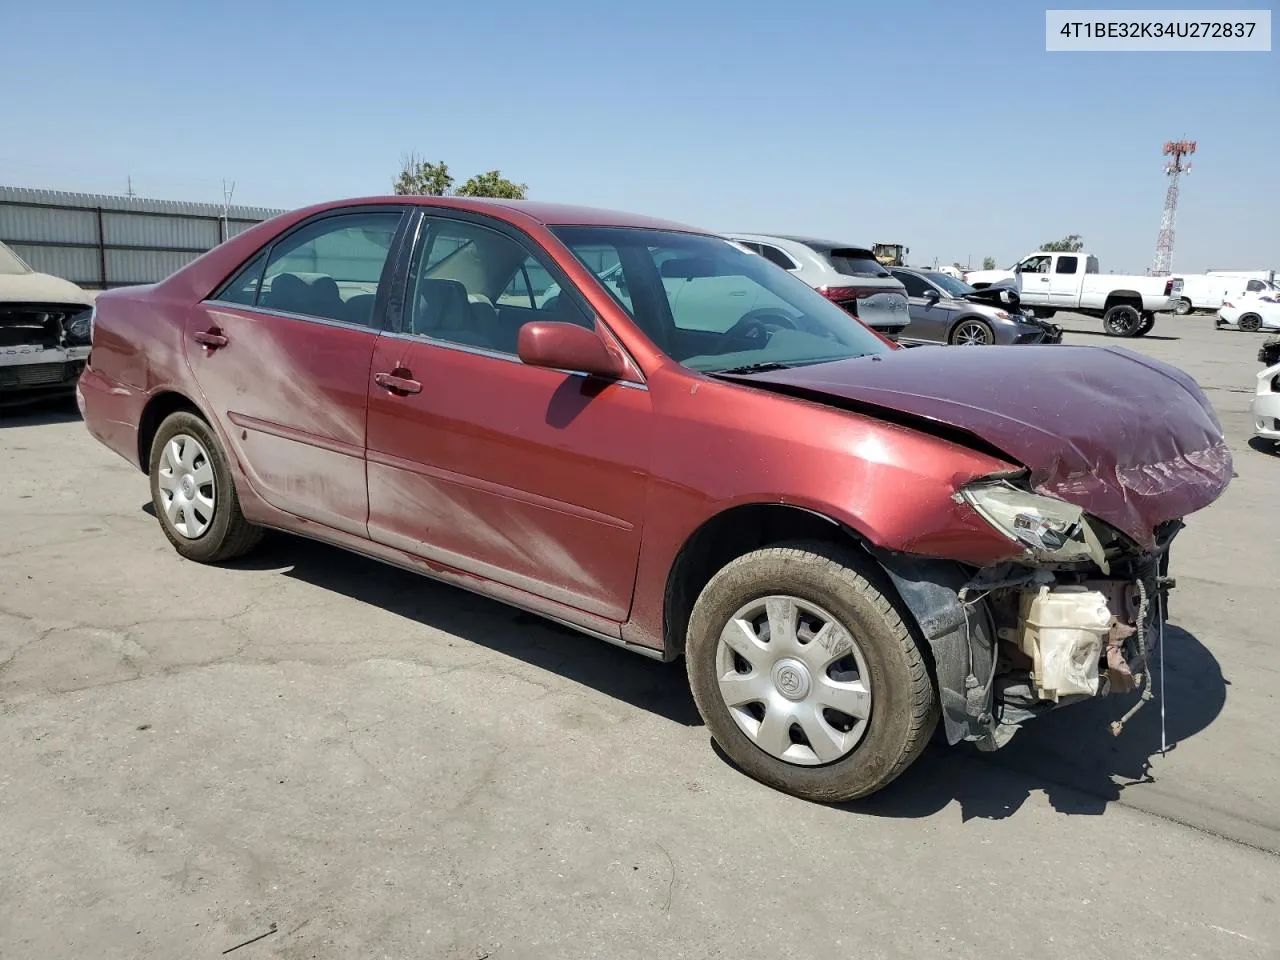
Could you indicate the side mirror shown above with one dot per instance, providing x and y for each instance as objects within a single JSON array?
[
  {"x": 932, "y": 295},
  {"x": 567, "y": 346}
]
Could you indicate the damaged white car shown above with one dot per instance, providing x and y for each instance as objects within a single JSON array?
[{"x": 45, "y": 326}]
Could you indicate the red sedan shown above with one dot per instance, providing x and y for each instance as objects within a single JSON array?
[{"x": 648, "y": 433}]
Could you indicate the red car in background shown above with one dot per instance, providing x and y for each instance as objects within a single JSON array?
[{"x": 696, "y": 456}]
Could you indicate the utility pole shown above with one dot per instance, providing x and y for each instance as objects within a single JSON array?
[
  {"x": 226, "y": 204},
  {"x": 129, "y": 190},
  {"x": 1173, "y": 169}
]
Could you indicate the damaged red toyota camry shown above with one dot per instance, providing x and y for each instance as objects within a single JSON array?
[{"x": 648, "y": 433}]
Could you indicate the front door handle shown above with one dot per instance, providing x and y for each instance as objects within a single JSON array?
[
  {"x": 396, "y": 384},
  {"x": 211, "y": 338}
]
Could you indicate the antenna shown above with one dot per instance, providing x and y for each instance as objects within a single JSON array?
[
  {"x": 129, "y": 191},
  {"x": 1173, "y": 169}
]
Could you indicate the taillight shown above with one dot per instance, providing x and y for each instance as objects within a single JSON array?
[
  {"x": 845, "y": 294},
  {"x": 1168, "y": 288}
]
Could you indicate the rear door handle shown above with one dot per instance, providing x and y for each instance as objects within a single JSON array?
[
  {"x": 210, "y": 338},
  {"x": 401, "y": 385}
]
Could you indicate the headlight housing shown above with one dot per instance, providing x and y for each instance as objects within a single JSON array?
[
  {"x": 79, "y": 331},
  {"x": 1052, "y": 531}
]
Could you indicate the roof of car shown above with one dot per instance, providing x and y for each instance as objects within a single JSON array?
[
  {"x": 549, "y": 214},
  {"x": 830, "y": 244},
  {"x": 813, "y": 242}
]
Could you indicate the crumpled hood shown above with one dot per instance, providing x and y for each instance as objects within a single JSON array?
[
  {"x": 40, "y": 288},
  {"x": 1131, "y": 440}
]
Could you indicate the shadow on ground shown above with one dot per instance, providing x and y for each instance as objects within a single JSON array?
[
  {"x": 1088, "y": 332},
  {"x": 39, "y": 413},
  {"x": 1262, "y": 445},
  {"x": 647, "y": 684},
  {"x": 1070, "y": 755}
]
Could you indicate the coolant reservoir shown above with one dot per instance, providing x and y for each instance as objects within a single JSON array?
[{"x": 1063, "y": 631}]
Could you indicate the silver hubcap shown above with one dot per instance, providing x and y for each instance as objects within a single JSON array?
[
  {"x": 187, "y": 491},
  {"x": 794, "y": 680},
  {"x": 971, "y": 335}
]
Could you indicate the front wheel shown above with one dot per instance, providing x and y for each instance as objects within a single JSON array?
[
  {"x": 194, "y": 497},
  {"x": 1122, "y": 320},
  {"x": 1148, "y": 322},
  {"x": 1250, "y": 322},
  {"x": 806, "y": 675},
  {"x": 972, "y": 333}
]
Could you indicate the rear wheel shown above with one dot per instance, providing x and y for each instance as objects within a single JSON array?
[
  {"x": 193, "y": 493},
  {"x": 972, "y": 332},
  {"x": 1250, "y": 322},
  {"x": 1122, "y": 320},
  {"x": 1182, "y": 307},
  {"x": 806, "y": 675},
  {"x": 1148, "y": 321}
]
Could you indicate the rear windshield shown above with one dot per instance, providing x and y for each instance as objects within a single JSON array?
[{"x": 854, "y": 262}]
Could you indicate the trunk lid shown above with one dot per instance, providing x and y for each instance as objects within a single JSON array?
[{"x": 1131, "y": 440}]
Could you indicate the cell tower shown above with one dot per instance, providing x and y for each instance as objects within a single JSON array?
[{"x": 1173, "y": 168}]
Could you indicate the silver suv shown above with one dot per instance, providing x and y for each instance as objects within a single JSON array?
[{"x": 844, "y": 273}]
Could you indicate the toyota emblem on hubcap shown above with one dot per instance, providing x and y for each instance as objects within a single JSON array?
[{"x": 791, "y": 679}]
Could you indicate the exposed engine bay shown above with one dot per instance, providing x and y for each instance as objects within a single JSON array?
[
  {"x": 43, "y": 347},
  {"x": 1016, "y": 640}
]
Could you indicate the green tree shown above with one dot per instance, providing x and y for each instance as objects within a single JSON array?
[
  {"x": 419, "y": 177},
  {"x": 422, "y": 178},
  {"x": 492, "y": 183},
  {"x": 988, "y": 263},
  {"x": 1068, "y": 244}
]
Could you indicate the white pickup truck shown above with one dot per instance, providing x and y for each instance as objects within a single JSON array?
[{"x": 1048, "y": 282}]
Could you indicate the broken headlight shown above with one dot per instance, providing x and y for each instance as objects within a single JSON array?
[
  {"x": 1052, "y": 531},
  {"x": 79, "y": 330}
]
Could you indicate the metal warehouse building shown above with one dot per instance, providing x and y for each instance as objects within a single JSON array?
[{"x": 102, "y": 241}]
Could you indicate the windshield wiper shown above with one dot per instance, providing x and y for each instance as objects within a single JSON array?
[{"x": 756, "y": 367}]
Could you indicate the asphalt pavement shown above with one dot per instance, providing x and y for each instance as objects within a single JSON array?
[{"x": 332, "y": 758}]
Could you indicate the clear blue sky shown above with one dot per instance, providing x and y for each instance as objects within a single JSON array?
[{"x": 942, "y": 125}]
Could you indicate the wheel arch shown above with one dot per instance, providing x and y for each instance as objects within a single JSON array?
[
  {"x": 158, "y": 407},
  {"x": 729, "y": 534},
  {"x": 1118, "y": 298}
]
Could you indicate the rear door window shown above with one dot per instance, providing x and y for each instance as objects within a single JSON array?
[
  {"x": 330, "y": 269},
  {"x": 1067, "y": 265},
  {"x": 774, "y": 255}
]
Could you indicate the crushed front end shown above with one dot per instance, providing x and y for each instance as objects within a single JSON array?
[
  {"x": 43, "y": 349},
  {"x": 1078, "y": 615}
]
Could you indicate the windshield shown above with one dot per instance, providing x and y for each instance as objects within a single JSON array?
[
  {"x": 957, "y": 288},
  {"x": 713, "y": 307}
]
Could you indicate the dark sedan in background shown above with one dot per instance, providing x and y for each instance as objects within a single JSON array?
[{"x": 946, "y": 310}]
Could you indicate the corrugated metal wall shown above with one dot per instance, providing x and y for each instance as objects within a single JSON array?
[{"x": 102, "y": 241}]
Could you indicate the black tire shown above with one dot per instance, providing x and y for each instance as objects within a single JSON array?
[
  {"x": 1148, "y": 322},
  {"x": 229, "y": 534},
  {"x": 971, "y": 324},
  {"x": 1250, "y": 322},
  {"x": 904, "y": 705},
  {"x": 1183, "y": 307},
  {"x": 1122, "y": 320}
]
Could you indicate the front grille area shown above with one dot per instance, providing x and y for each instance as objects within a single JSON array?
[{"x": 38, "y": 374}]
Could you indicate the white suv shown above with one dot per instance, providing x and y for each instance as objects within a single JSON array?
[{"x": 846, "y": 274}]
